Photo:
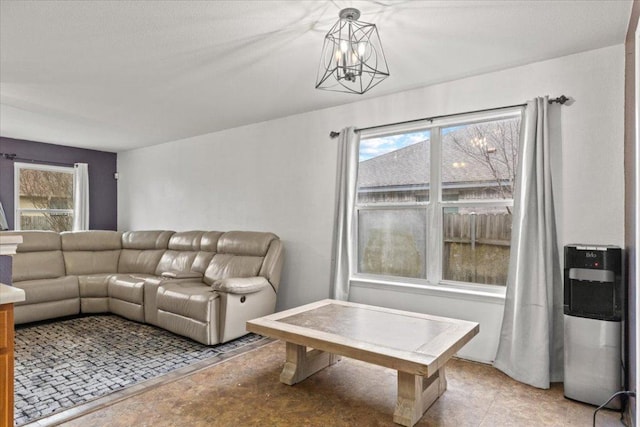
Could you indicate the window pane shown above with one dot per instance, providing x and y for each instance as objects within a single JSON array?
[
  {"x": 43, "y": 189},
  {"x": 476, "y": 244},
  {"x": 392, "y": 242},
  {"x": 479, "y": 160},
  {"x": 394, "y": 169},
  {"x": 46, "y": 221}
]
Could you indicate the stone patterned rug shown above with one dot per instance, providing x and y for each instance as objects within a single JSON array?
[{"x": 65, "y": 363}]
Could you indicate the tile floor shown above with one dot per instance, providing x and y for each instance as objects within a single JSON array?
[{"x": 245, "y": 391}]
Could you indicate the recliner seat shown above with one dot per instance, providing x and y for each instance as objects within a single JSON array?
[{"x": 190, "y": 307}]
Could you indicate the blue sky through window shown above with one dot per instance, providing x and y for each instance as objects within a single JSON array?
[{"x": 374, "y": 147}]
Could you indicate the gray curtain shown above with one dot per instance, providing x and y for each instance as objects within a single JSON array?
[
  {"x": 81, "y": 197},
  {"x": 531, "y": 340},
  {"x": 347, "y": 175}
]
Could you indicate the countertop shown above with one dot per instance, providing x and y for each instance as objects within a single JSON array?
[
  {"x": 9, "y": 243},
  {"x": 9, "y": 294}
]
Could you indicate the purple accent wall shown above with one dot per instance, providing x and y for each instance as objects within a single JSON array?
[{"x": 103, "y": 197}]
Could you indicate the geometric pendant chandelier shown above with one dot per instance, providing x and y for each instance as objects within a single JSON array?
[{"x": 352, "y": 59}]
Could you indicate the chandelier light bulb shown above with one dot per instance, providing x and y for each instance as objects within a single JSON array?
[
  {"x": 362, "y": 48},
  {"x": 344, "y": 46}
]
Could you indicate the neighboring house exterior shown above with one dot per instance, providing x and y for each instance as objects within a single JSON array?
[{"x": 403, "y": 175}]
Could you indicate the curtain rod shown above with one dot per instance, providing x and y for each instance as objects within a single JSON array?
[
  {"x": 14, "y": 157},
  {"x": 559, "y": 100}
]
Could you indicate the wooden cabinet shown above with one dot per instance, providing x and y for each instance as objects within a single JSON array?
[
  {"x": 8, "y": 295},
  {"x": 6, "y": 365}
]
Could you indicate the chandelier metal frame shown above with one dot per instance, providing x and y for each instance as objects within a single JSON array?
[{"x": 352, "y": 58}]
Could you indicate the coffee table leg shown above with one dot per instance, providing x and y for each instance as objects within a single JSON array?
[
  {"x": 416, "y": 394},
  {"x": 302, "y": 363}
]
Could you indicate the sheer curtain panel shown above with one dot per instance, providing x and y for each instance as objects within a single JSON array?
[
  {"x": 347, "y": 174},
  {"x": 531, "y": 341},
  {"x": 80, "y": 197}
]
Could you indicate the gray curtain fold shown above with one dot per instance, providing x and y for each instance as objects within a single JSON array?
[
  {"x": 81, "y": 197},
  {"x": 531, "y": 340},
  {"x": 347, "y": 175}
]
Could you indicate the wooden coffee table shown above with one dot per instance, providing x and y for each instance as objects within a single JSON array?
[{"x": 416, "y": 345}]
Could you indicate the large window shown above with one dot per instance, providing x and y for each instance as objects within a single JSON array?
[
  {"x": 434, "y": 203},
  {"x": 43, "y": 197}
]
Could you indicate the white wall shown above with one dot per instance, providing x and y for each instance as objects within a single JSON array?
[{"x": 280, "y": 175}]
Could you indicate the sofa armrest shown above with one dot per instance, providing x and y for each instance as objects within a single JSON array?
[
  {"x": 240, "y": 285},
  {"x": 182, "y": 275}
]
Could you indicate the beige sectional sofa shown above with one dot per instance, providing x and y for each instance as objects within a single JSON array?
[{"x": 203, "y": 285}]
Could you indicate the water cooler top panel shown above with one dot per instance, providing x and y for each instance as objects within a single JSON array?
[
  {"x": 593, "y": 257},
  {"x": 593, "y": 282}
]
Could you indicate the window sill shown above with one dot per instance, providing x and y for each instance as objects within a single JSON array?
[{"x": 445, "y": 290}]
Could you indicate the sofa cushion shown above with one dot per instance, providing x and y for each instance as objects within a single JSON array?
[
  {"x": 185, "y": 254},
  {"x": 39, "y": 255},
  {"x": 94, "y": 285},
  {"x": 142, "y": 250},
  {"x": 223, "y": 266},
  {"x": 94, "y": 240},
  {"x": 46, "y": 310},
  {"x": 127, "y": 287},
  {"x": 91, "y": 252},
  {"x": 250, "y": 243},
  {"x": 147, "y": 239},
  {"x": 38, "y": 265},
  {"x": 188, "y": 299},
  {"x": 47, "y": 290},
  {"x": 175, "y": 261},
  {"x": 209, "y": 241},
  {"x": 239, "y": 254},
  {"x": 185, "y": 241},
  {"x": 36, "y": 241},
  {"x": 88, "y": 262},
  {"x": 139, "y": 261}
]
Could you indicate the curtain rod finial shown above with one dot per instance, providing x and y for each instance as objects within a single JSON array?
[
  {"x": 334, "y": 134},
  {"x": 560, "y": 100}
]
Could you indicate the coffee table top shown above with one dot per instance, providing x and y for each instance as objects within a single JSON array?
[{"x": 410, "y": 342}]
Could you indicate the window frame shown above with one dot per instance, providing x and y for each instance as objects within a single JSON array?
[
  {"x": 434, "y": 206},
  {"x": 17, "y": 167}
]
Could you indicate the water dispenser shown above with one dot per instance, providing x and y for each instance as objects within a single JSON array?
[{"x": 594, "y": 298}]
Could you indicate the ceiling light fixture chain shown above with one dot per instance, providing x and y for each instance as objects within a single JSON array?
[{"x": 352, "y": 58}]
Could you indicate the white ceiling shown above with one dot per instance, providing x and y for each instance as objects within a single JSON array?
[{"x": 116, "y": 75}]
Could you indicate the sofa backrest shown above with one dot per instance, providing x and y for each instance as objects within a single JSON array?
[
  {"x": 243, "y": 254},
  {"x": 184, "y": 253},
  {"x": 142, "y": 250},
  {"x": 91, "y": 252},
  {"x": 39, "y": 256},
  {"x": 216, "y": 255}
]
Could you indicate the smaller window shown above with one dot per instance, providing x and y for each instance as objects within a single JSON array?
[{"x": 43, "y": 197}]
